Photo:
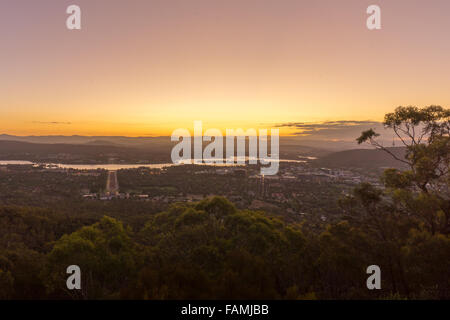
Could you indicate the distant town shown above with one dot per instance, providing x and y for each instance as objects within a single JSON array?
[{"x": 299, "y": 191}]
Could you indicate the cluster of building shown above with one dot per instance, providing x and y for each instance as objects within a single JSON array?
[{"x": 260, "y": 191}]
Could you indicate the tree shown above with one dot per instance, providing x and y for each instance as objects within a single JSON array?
[
  {"x": 423, "y": 189},
  {"x": 212, "y": 250},
  {"x": 105, "y": 254},
  {"x": 408, "y": 220}
]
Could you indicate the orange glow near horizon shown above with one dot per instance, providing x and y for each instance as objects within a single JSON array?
[{"x": 148, "y": 68}]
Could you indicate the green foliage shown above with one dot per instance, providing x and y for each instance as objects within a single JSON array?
[
  {"x": 104, "y": 252},
  {"x": 211, "y": 250},
  {"x": 367, "y": 135},
  {"x": 6, "y": 284},
  {"x": 344, "y": 252},
  {"x": 428, "y": 258},
  {"x": 218, "y": 244},
  {"x": 409, "y": 221},
  {"x": 396, "y": 179},
  {"x": 423, "y": 190}
]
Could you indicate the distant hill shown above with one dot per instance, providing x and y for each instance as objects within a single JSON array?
[
  {"x": 290, "y": 146},
  {"x": 76, "y": 139},
  {"x": 362, "y": 158},
  {"x": 81, "y": 153},
  {"x": 17, "y": 147},
  {"x": 101, "y": 143}
]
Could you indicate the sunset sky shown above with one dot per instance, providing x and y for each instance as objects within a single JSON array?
[{"x": 147, "y": 67}]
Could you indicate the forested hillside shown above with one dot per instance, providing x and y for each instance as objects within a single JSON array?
[
  {"x": 212, "y": 250},
  {"x": 362, "y": 158}
]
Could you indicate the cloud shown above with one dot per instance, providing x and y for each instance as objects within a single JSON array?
[
  {"x": 52, "y": 122},
  {"x": 326, "y": 124},
  {"x": 331, "y": 130}
]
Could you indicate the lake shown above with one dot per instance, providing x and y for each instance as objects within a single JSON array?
[{"x": 113, "y": 167}]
